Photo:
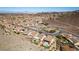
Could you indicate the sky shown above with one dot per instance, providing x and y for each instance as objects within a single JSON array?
[{"x": 36, "y": 9}]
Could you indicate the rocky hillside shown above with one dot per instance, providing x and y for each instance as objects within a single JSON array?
[
  {"x": 67, "y": 20},
  {"x": 23, "y": 24},
  {"x": 71, "y": 18}
]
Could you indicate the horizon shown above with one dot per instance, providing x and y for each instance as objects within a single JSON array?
[{"x": 36, "y": 9}]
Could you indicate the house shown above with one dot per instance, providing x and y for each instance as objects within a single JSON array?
[
  {"x": 48, "y": 42},
  {"x": 67, "y": 35},
  {"x": 53, "y": 42},
  {"x": 42, "y": 37},
  {"x": 77, "y": 45},
  {"x": 33, "y": 34}
]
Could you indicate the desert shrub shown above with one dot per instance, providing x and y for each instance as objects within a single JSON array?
[
  {"x": 44, "y": 23},
  {"x": 35, "y": 41},
  {"x": 2, "y": 26},
  {"x": 16, "y": 32}
]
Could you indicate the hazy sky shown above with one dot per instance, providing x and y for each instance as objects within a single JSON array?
[{"x": 36, "y": 9}]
